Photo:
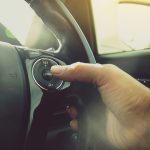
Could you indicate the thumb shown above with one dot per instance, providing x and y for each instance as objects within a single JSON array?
[{"x": 79, "y": 72}]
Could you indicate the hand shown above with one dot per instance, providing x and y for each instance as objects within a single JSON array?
[{"x": 127, "y": 102}]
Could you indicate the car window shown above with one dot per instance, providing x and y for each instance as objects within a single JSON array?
[
  {"x": 22, "y": 23},
  {"x": 121, "y": 25}
]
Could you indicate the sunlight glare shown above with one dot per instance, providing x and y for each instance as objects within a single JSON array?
[
  {"x": 17, "y": 16},
  {"x": 121, "y": 26}
]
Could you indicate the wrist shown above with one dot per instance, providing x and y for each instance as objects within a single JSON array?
[{"x": 125, "y": 138}]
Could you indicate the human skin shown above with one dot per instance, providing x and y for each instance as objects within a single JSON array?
[{"x": 127, "y": 102}]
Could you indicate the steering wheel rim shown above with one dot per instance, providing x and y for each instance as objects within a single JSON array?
[{"x": 14, "y": 99}]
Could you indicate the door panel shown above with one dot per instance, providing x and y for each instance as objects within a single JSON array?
[{"x": 136, "y": 63}]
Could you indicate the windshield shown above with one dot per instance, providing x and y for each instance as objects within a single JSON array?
[{"x": 121, "y": 25}]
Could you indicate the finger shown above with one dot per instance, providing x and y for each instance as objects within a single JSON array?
[
  {"x": 72, "y": 111},
  {"x": 74, "y": 125},
  {"x": 78, "y": 72}
]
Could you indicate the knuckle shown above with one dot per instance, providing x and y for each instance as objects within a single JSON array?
[
  {"x": 110, "y": 67},
  {"x": 77, "y": 64},
  {"x": 76, "y": 67},
  {"x": 110, "y": 72}
]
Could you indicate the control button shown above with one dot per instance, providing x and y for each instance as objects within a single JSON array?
[
  {"x": 47, "y": 74},
  {"x": 42, "y": 76}
]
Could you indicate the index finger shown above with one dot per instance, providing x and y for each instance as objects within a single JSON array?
[{"x": 78, "y": 72}]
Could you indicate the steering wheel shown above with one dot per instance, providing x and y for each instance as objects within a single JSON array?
[{"x": 33, "y": 102}]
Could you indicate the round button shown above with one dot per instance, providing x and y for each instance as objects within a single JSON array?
[
  {"x": 42, "y": 76},
  {"x": 46, "y": 74}
]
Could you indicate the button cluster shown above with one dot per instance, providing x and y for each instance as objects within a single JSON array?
[{"x": 42, "y": 76}]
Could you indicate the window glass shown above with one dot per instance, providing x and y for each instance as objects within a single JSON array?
[
  {"x": 13, "y": 15},
  {"x": 22, "y": 23},
  {"x": 121, "y": 26}
]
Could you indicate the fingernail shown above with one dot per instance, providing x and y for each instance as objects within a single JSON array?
[
  {"x": 72, "y": 111},
  {"x": 57, "y": 69},
  {"x": 74, "y": 124}
]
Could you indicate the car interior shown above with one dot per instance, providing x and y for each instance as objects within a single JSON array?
[{"x": 37, "y": 34}]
